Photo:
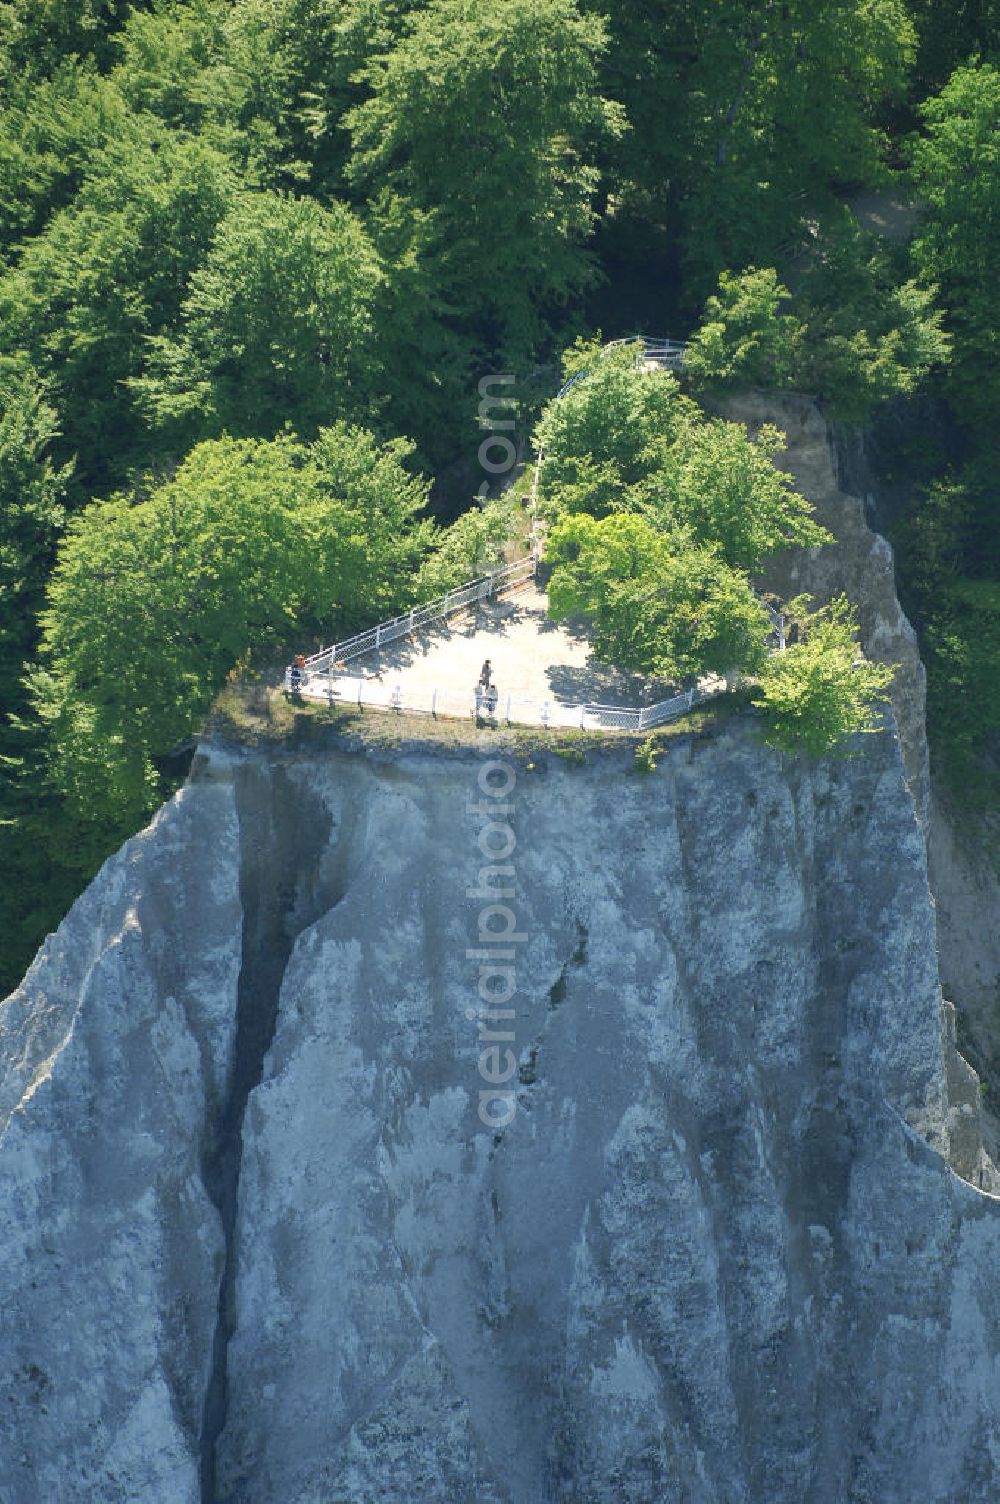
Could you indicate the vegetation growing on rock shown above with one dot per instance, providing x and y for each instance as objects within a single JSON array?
[{"x": 820, "y": 691}]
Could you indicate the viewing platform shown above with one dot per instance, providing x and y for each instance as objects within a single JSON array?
[
  {"x": 542, "y": 671},
  {"x": 431, "y": 659}
]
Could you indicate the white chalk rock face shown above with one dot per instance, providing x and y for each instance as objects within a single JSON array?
[
  {"x": 261, "y": 1246},
  {"x": 112, "y": 1054}
]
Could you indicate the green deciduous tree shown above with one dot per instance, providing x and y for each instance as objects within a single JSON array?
[
  {"x": 950, "y": 33},
  {"x": 722, "y": 485},
  {"x": 857, "y": 333},
  {"x": 956, "y": 165},
  {"x": 820, "y": 691},
  {"x": 31, "y": 513},
  {"x": 108, "y": 273},
  {"x": 50, "y": 131},
  {"x": 275, "y": 328},
  {"x": 478, "y": 541},
  {"x": 36, "y": 35},
  {"x": 747, "y": 115},
  {"x": 154, "y": 599},
  {"x": 291, "y": 70},
  {"x": 746, "y": 337},
  {"x": 268, "y": 81},
  {"x": 479, "y": 130},
  {"x": 32, "y": 489},
  {"x": 625, "y": 439},
  {"x": 611, "y": 432},
  {"x": 870, "y": 332},
  {"x": 657, "y": 603}
]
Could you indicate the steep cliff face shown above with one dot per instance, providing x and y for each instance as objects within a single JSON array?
[
  {"x": 966, "y": 886},
  {"x": 964, "y": 874},
  {"x": 847, "y": 485},
  {"x": 279, "y": 1226},
  {"x": 115, "y": 1053}
]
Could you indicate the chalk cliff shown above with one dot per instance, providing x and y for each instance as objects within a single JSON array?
[
  {"x": 838, "y": 479},
  {"x": 858, "y": 563},
  {"x": 731, "y": 1245}
]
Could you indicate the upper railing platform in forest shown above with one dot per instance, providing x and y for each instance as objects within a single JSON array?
[
  {"x": 651, "y": 353},
  {"x": 665, "y": 354}
]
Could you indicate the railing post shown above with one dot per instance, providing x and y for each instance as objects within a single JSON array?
[
  {"x": 411, "y": 618},
  {"x": 508, "y": 710},
  {"x": 378, "y": 636},
  {"x": 360, "y": 684},
  {"x": 434, "y": 701}
]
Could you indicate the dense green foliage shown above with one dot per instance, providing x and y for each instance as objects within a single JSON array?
[
  {"x": 748, "y": 114},
  {"x": 156, "y": 597},
  {"x": 230, "y": 223},
  {"x": 955, "y": 166},
  {"x": 31, "y": 513},
  {"x": 515, "y": 85},
  {"x": 659, "y": 517},
  {"x": 658, "y": 603},
  {"x": 624, "y": 439},
  {"x": 276, "y": 320},
  {"x": 820, "y": 691},
  {"x": 746, "y": 336},
  {"x": 475, "y": 543},
  {"x": 859, "y": 336}
]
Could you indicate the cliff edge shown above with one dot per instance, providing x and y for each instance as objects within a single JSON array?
[{"x": 285, "y": 1220}]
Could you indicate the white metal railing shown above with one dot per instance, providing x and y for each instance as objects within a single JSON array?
[
  {"x": 668, "y": 354},
  {"x": 322, "y": 676},
  {"x": 644, "y": 717},
  {"x": 445, "y": 605},
  {"x": 358, "y": 689}
]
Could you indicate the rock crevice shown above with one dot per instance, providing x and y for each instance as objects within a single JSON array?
[{"x": 285, "y": 884}]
